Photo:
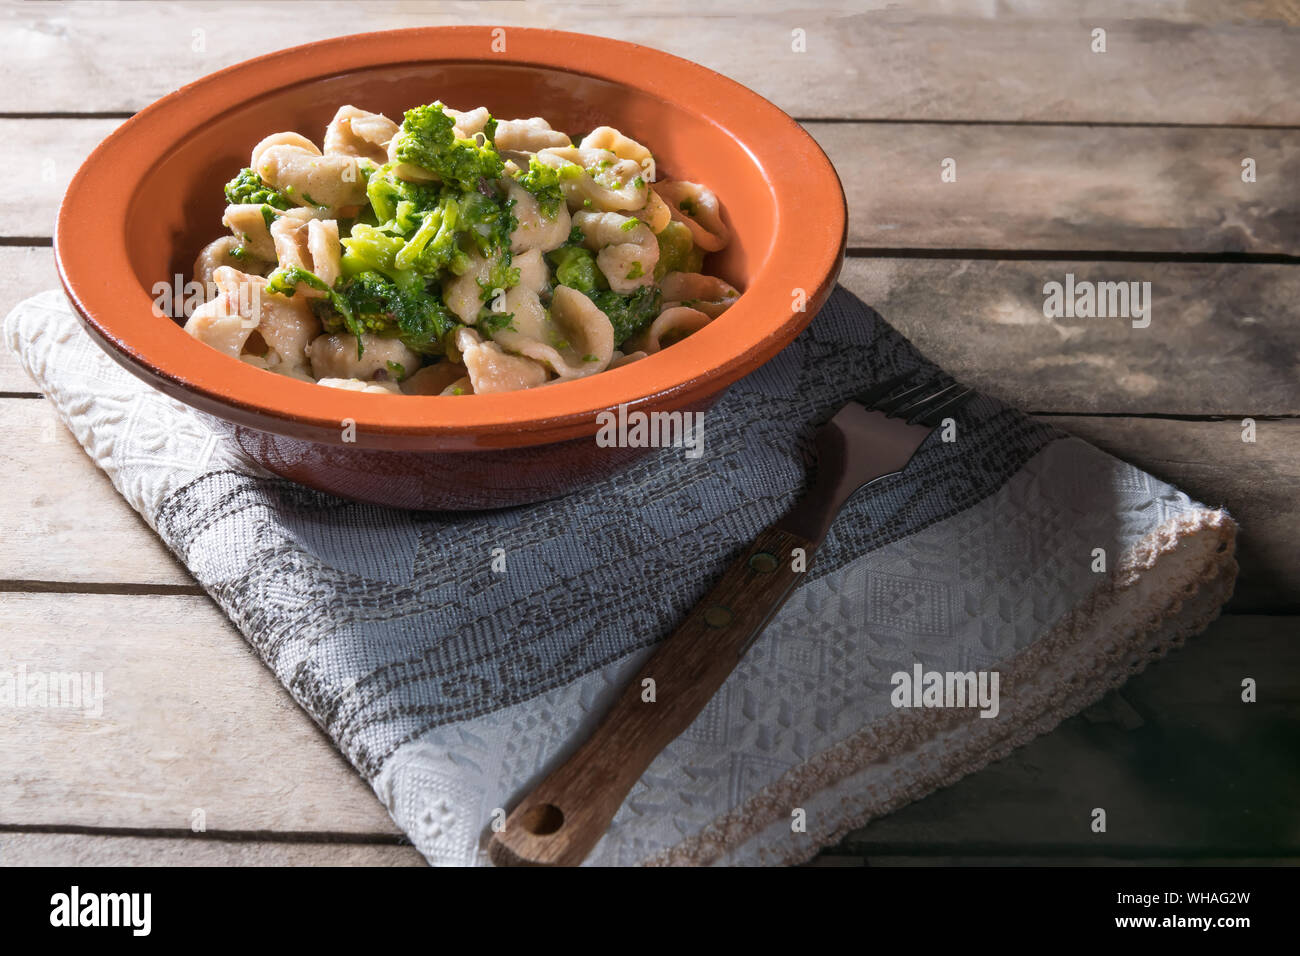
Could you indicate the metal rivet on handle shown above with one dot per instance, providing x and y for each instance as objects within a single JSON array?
[
  {"x": 718, "y": 616},
  {"x": 763, "y": 562}
]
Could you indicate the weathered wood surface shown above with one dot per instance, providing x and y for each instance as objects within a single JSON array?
[
  {"x": 1140, "y": 189},
  {"x": 83, "y": 849},
  {"x": 1212, "y": 63},
  {"x": 1180, "y": 764},
  {"x": 191, "y": 721}
]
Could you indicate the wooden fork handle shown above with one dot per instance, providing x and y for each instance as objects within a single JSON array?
[{"x": 567, "y": 813}]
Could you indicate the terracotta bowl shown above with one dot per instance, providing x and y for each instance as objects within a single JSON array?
[{"x": 149, "y": 198}]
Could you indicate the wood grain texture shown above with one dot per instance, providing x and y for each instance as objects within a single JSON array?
[
  {"x": 78, "y": 849},
  {"x": 1026, "y": 62},
  {"x": 1017, "y": 187},
  {"x": 1194, "y": 769},
  {"x": 1223, "y": 339},
  {"x": 24, "y": 271},
  {"x": 1137, "y": 189},
  {"x": 65, "y": 521},
  {"x": 1208, "y": 460},
  {"x": 191, "y": 721}
]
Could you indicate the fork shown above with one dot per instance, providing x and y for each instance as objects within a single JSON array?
[{"x": 872, "y": 437}]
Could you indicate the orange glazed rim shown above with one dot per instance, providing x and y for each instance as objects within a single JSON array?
[{"x": 805, "y": 251}]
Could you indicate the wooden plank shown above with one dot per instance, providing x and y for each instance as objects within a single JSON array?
[
  {"x": 1213, "y": 65},
  {"x": 1222, "y": 339},
  {"x": 51, "y": 150},
  {"x": 1136, "y": 189},
  {"x": 80, "y": 849},
  {"x": 24, "y": 271},
  {"x": 1208, "y": 460},
  {"x": 191, "y": 721},
  {"x": 1017, "y": 187},
  {"x": 64, "y": 520},
  {"x": 1201, "y": 772}
]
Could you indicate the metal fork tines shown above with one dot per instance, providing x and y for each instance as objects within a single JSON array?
[{"x": 926, "y": 403}]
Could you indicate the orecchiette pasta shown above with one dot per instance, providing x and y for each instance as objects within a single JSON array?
[
  {"x": 354, "y": 132},
  {"x": 697, "y": 207},
  {"x": 455, "y": 254}
]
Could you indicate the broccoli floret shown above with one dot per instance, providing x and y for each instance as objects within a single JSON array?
[
  {"x": 428, "y": 139},
  {"x": 380, "y": 306},
  {"x": 501, "y": 276},
  {"x": 396, "y": 201},
  {"x": 575, "y": 266},
  {"x": 488, "y": 220},
  {"x": 677, "y": 251},
  {"x": 490, "y": 323},
  {"x": 434, "y": 245},
  {"x": 248, "y": 187},
  {"x": 544, "y": 183},
  {"x": 629, "y": 314}
]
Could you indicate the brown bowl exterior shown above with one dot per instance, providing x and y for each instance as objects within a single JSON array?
[{"x": 152, "y": 194}]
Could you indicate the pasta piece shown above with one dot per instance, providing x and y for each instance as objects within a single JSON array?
[
  {"x": 433, "y": 379},
  {"x": 579, "y": 339},
  {"x": 527, "y": 135},
  {"x": 325, "y": 250},
  {"x": 708, "y": 294},
  {"x": 528, "y": 315},
  {"x": 624, "y": 147},
  {"x": 462, "y": 386},
  {"x": 669, "y": 327},
  {"x": 626, "y": 250},
  {"x": 331, "y": 181},
  {"x": 493, "y": 370},
  {"x": 296, "y": 140},
  {"x": 535, "y": 230},
  {"x": 533, "y": 272},
  {"x": 697, "y": 207},
  {"x": 227, "y": 321},
  {"x": 335, "y": 356},
  {"x": 620, "y": 359},
  {"x": 469, "y": 124},
  {"x": 462, "y": 294},
  {"x": 309, "y": 244},
  {"x": 218, "y": 253},
  {"x": 355, "y": 132},
  {"x": 356, "y": 385},
  {"x": 654, "y": 214},
  {"x": 598, "y": 177},
  {"x": 286, "y": 324}
]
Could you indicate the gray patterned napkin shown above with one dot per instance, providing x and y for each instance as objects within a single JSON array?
[{"x": 452, "y": 688}]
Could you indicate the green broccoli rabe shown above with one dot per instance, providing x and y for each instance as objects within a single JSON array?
[
  {"x": 677, "y": 251},
  {"x": 249, "y": 188},
  {"x": 434, "y": 244},
  {"x": 575, "y": 266},
  {"x": 500, "y": 277},
  {"x": 544, "y": 183},
  {"x": 489, "y": 323},
  {"x": 428, "y": 139},
  {"x": 379, "y": 306},
  {"x": 629, "y": 314},
  {"x": 394, "y": 200}
]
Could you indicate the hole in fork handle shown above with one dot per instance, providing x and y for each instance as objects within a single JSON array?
[{"x": 542, "y": 819}]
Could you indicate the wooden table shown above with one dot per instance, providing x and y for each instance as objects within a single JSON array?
[{"x": 1122, "y": 165}]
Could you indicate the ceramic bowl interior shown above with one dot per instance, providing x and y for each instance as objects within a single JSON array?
[{"x": 153, "y": 191}]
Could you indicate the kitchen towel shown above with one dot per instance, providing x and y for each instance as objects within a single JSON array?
[{"x": 453, "y": 687}]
